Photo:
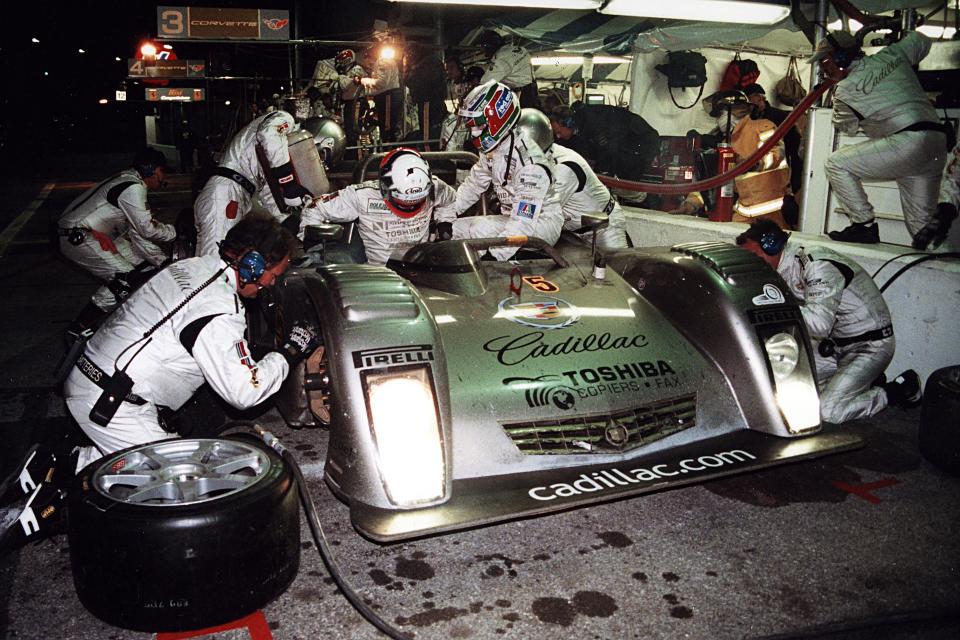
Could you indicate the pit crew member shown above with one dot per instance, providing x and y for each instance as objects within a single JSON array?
[
  {"x": 509, "y": 65},
  {"x": 519, "y": 171},
  {"x": 110, "y": 232},
  {"x": 848, "y": 322},
  {"x": 184, "y": 327},
  {"x": 259, "y": 149},
  {"x": 881, "y": 95},
  {"x": 579, "y": 189},
  {"x": 396, "y": 209}
]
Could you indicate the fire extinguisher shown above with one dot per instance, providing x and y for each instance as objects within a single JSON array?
[{"x": 723, "y": 209}]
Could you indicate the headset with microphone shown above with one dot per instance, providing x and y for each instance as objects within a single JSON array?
[
  {"x": 250, "y": 266},
  {"x": 772, "y": 242}
]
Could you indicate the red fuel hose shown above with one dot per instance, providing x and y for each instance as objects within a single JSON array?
[{"x": 704, "y": 185}]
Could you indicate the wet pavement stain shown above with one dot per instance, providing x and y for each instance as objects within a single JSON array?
[
  {"x": 493, "y": 571},
  {"x": 594, "y": 604},
  {"x": 431, "y": 616},
  {"x": 503, "y": 604},
  {"x": 511, "y": 617},
  {"x": 681, "y": 612},
  {"x": 671, "y": 598},
  {"x": 554, "y": 611},
  {"x": 380, "y": 577},
  {"x": 542, "y": 556},
  {"x": 669, "y": 576},
  {"x": 415, "y": 569},
  {"x": 476, "y": 607},
  {"x": 814, "y": 480},
  {"x": 615, "y": 539},
  {"x": 639, "y": 575}
]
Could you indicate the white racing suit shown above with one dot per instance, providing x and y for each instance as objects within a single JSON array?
[
  {"x": 522, "y": 177},
  {"x": 117, "y": 228},
  {"x": 511, "y": 66},
  {"x": 950, "y": 183},
  {"x": 842, "y": 303},
  {"x": 580, "y": 191},
  {"x": 224, "y": 201},
  {"x": 203, "y": 341},
  {"x": 883, "y": 97},
  {"x": 379, "y": 228}
]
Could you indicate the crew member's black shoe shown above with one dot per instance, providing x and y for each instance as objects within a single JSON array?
[
  {"x": 43, "y": 515},
  {"x": 904, "y": 390},
  {"x": 862, "y": 232},
  {"x": 37, "y": 464}
]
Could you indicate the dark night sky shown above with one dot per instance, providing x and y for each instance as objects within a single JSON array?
[{"x": 51, "y": 90}]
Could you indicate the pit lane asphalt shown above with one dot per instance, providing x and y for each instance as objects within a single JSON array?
[{"x": 787, "y": 552}]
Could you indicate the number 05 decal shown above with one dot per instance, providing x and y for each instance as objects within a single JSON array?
[{"x": 541, "y": 284}]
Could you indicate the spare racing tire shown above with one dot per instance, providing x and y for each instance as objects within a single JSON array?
[
  {"x": 939, "y": 425},
  {"x": 183, "y": 534}
]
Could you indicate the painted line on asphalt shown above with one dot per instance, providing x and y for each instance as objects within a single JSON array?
[{"x": 14, "y": 227}]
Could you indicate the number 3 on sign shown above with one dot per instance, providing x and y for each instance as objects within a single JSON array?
[
  {"x": 541, "y": 284},
  {"x": 171, "y": 22}
]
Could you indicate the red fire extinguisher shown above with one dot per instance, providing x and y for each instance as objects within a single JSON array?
[{"x": 723, "y": 209}]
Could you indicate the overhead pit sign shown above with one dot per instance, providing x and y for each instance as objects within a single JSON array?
[
  {"x": 213, "y": 24},
  {"x": 166, "y": 94},
  {"x": 166, "y": 68}
]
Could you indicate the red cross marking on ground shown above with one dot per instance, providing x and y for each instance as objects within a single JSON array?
[
  {"x": 864, "y": 490},
  {"x": 255, "y": 623}
]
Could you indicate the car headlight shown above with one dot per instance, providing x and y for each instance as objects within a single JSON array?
[
  {"x": 795, "y": 386},
  {"x": 406, "y": 428}
]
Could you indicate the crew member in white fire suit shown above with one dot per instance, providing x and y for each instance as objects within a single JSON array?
[
  {"x": 184, "y": 327},
  {"x": 847, "y": 320},
  {"x": 578, "y": 187},
  {"x": 881, "y": 95},
  {"x": 258, "y": 148},
  {"x": 109, "y": 231},
  {"x": 396, "y": 209},
  {"x": 519, "y": 171},
  {"x": 935, "y": 231},
  {"x": 510, "y": 65}
]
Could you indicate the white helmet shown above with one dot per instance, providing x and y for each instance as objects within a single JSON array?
[{"x": 405, "y": 182}]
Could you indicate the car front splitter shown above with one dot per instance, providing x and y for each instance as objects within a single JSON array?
[{"x": 480, "y": 501}]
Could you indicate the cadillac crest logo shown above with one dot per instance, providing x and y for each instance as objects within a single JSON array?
[{"x": 542, "y": 312}]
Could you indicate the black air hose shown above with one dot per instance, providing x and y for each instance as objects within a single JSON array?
[{"x": 317, "y": 531}]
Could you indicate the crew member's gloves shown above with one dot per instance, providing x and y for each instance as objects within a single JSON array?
[
  {"x": 294, "y": 194},
  {"x": 301, "y": 342},
  {"x": 935, "y": 231},
  {"x": 444, "y": 230}
]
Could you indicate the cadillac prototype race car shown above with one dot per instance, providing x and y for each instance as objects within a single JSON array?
[{"x": 460, "y": 391}]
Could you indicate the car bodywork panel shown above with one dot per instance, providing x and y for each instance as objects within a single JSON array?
[{"x": 552, "y": 388}]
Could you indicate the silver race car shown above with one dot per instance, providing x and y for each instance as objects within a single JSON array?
[{"x": 460, "y": 391}]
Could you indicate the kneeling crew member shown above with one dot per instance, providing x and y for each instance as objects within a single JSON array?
[
  {"x": 184, "y": 327},
  {"x": 848, "y": 322},
  {"x": 396, "y": 209}
]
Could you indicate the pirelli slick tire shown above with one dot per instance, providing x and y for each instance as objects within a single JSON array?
[
  {"x": 939, "y": 426},
  {"x": 183, "y": 534}
]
